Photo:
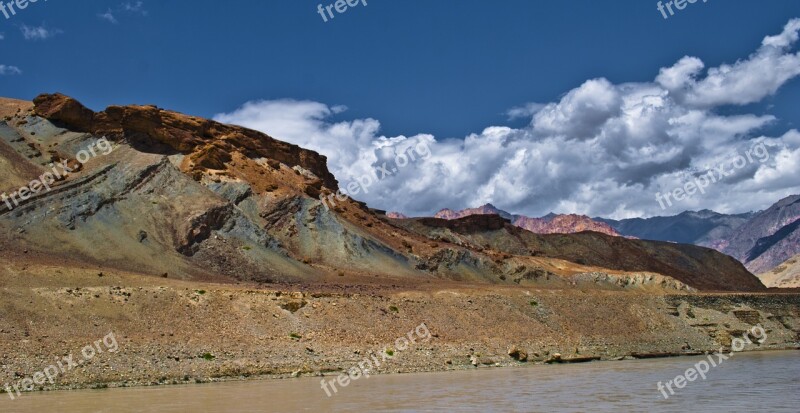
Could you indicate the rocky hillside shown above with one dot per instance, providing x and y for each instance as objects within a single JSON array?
[
  {"x": 769, "y": 238},
  {"x": 156, "y": 192},
  {"x": 699, "y": 267},
  {"x": 761, "y": 240},
  {"x": 549, "y": 224},
  {"x": 785, "y": 275}
]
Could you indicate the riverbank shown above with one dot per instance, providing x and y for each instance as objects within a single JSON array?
[
  {"x": 769, "y": 385},
  {"x": 174, "y": 332}
]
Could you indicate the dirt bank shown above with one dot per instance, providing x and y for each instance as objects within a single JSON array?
[{"x": 171, "y": 331}]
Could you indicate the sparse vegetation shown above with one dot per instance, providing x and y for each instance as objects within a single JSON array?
[
  {"x": 295, "y": 336},
  {"x": 390, "y": 352},
  {"x": 208, "y": 356},
  {"x": 534, "y": 303},
  {"x": 393, "y": 309},
  {"x": 201, "y": 292}
]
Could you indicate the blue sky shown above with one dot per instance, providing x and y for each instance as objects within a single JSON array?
[{"x": 449, "y": 68}]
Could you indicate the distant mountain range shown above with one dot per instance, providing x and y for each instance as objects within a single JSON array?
[
  {"x": 691, "y": 227},
  {"x": 548, "y": 224},
  {"x": 760, "y": 240}
]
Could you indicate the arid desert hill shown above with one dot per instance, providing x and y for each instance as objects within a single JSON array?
[{"x": 185, "y": 197}]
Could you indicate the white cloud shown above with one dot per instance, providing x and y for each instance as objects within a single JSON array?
[
  {"x": 38, "y": 32},
  {"x": 743, "y": 82},
  {"x": 2, "y": 36},
  {"x": 9, "y": 70},
  {"x": 581, "y": 112},
  {"x": 108, "y": 16},
  {"x": 603, "y": 149},
  {"x": 137, "y": 7},
  {"x": 525, "y": 111}
]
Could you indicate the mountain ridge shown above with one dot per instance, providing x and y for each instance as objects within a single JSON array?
[{"x": 198, "y": 200}]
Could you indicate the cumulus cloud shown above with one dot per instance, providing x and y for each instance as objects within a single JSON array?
[
  {"x": 743, "y": 82},
  {"x": 582, "y": 112},
  {"x": 9, "y": 70},
  {"x": 603, "y": 149}
]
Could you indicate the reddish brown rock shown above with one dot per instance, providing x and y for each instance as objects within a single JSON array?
[{"x": 209, "y": 144}]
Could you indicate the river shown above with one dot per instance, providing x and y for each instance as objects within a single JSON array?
[{"x": 747, "y": 382}]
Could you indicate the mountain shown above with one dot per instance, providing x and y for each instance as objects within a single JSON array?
[
  {"x": 702, "y": 267},
  {"x": 159, "y": 193},
  {"x": 396, "y": 215},
  {"x": 563, "y": 224},
  {"x": 487, "y": 209},
  {"x": 760, "y": 240},
  {"x": 768, "y": 238},
  {"x": 549, "y": 224},
  {"x": 706, "y": 228},
  {"x": 785, "y": 275}
]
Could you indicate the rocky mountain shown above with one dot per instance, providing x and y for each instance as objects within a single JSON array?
[
  {"x": 761, "y": 240},
  {"x": 487, "y": 209},
  {"x": 785, "y": 275},
  {"x": 563, "y": 224},
  {"x": 549, "y": 224},
  {"x": 396, "y": 215},
  {"x": 155, "y": 192},
  {"x": 707, "y": 228},
  {"x": 768, "y": 238},
  {"x": 692, "y": 265}
]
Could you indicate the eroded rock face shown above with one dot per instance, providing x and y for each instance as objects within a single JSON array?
[
  {"x": 209, "y": 144},
  {"x": 64, "y": 109}
]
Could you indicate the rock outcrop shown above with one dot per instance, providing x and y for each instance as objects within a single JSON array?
[{"x": 208, "y": 144}]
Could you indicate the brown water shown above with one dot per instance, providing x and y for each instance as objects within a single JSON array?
[{"x": 748, "y": 382}]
